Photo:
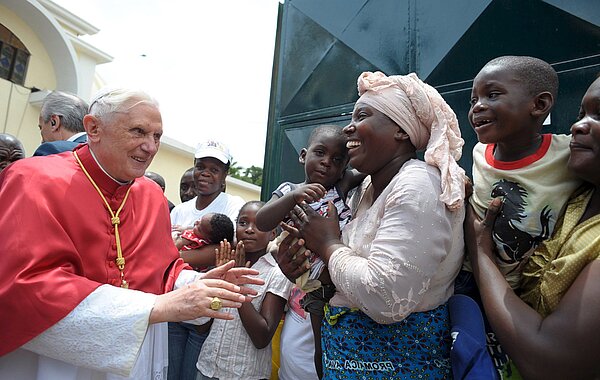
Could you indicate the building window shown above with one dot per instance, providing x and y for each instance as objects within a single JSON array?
[{"x": 14, "y": 57}]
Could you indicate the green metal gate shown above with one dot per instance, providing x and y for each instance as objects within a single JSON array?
[{"x": 322, "y": 47}]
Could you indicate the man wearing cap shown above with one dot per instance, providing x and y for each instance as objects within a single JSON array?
[
  {"x": 211, "y": 166},
  {"x": 88, "y": 296},
  {"x": 61, "y": 123}
]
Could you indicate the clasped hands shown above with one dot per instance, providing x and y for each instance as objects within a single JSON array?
[
  {"x": 310, "y": 230},
  {"x": 225, "y": 253}
]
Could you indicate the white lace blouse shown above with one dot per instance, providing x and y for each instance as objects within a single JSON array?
[{"x": 402, "y": 251}]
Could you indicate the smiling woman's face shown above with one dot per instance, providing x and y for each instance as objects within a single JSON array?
[
  {"x": 209, "y": 175},
  {"x": 585, "y": 141},
  {"x": 371, "y": 139}
]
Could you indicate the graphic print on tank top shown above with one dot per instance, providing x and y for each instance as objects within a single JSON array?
[{"x": 514, "y": 242}]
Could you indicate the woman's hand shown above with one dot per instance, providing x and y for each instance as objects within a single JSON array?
[
  {"x": 321, "y": 233},
  {"x": 289, "y": 258},
  {"x": 478, "y": 233}
]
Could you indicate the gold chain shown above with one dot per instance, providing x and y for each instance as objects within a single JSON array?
[{"x": 114, "y": 219}]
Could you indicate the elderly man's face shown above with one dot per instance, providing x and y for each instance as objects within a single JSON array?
[
  {"x": 9, "y": 153},
  {"x": 46, "y": 129},
  {"x": 126, "y": 142}
]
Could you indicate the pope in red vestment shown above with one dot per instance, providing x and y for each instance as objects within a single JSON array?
[
  {"x": 88, "y": 262},
  {"x": 59, "y": 245}
]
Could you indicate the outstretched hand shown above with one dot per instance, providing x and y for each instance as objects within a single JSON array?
[
  {"x": 235, "y": 275},
  {"x": 478, "y": 232},
  {"x": 194, "y": 300}
]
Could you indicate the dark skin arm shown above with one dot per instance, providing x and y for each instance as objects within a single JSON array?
[
  {"x": 565, "y": 344},
  {"x": 261, "y": 325},
  {"x": 180, "y": 242},
  {"x": 349, "y": 181},
  {"x": 201, "y": 257},
  {"x": 315, "y": 323},
  {"x": 271, "y": 214}
]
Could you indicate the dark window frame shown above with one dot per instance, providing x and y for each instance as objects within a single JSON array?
[{"x": 14, "y": 57}]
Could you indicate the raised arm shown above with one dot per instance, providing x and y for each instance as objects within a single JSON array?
[
  {"x": 277, "y": 208},
  {"x": 565, "y": 344},
  {"x": 259, "y": 324}
]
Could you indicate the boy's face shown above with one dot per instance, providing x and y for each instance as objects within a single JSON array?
[
  {"x": 325, "y": 160},
  {"x": 245, "y": 230},
  {"x": 501, "y": 107},
  {"x": 202, "y": 228}
]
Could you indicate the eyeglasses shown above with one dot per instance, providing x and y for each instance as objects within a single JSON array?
[{"x": 108, "y": 92}]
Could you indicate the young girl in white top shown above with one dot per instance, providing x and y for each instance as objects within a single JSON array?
[{"x": 241, "y": 348}]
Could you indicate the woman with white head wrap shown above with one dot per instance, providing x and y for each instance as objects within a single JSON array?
[{"x": 396, "y": 261}]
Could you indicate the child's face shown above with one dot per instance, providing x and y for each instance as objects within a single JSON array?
[
  {"x": 202, "y": 228},
  {"x": 245, "y": 230},
  {"x": 325, "y": 160},
  {"x": 501, "y": 107},
  {"x": 585, "y": 137}
]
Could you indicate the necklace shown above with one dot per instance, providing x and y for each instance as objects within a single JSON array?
[{"x": 114, "y": 219}]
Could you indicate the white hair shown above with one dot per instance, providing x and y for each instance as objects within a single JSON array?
[{"x": 109, "y": 101}]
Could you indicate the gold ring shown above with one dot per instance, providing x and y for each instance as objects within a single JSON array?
[{"x": 216, "y": 304}]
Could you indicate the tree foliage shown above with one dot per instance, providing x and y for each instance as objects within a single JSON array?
[{"x": 253, "y": 174}]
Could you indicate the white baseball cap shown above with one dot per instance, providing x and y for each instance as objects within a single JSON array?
[{"x": 215, "y": 149}]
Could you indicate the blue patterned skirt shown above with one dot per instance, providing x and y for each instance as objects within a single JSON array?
[{"x": 356, "y": 347}]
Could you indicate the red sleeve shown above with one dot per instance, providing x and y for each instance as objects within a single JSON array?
[
  {"x": 58, "y": 244},
  {"x": 39, "y": 284}
]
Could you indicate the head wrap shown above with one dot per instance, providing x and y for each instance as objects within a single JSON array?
[{"x": 428, "y": 120}]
